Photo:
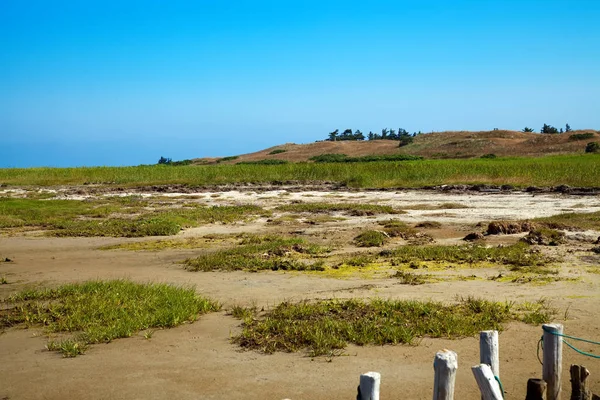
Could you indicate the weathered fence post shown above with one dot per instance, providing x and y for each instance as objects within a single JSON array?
[
  {"x": 536, "y": 389},
  {"x": 445, "y": 365},
  {"x": 552, "y": 368},
  {"x": 368, "y": 388},
  {"x": 489, "y": 349},
  {"x": 579, "y": 389},
  {"x": 489, "y": 387}
]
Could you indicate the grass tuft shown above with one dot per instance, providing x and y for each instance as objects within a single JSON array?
[
  {"x": 243, "y": 313},
  {"x": 149, "y": 333},
  {"x": 359, "y": 260},
  {"x": 536, "y": 313},
  {"x": 101, "y": 311},
  {"x": 261, "y": 253},
  {"x": 69, "y": 348},
  {"x": 518, "y": 254},
  {"x": 327, "y": 327},
  {"x": 371, "y": 239}
]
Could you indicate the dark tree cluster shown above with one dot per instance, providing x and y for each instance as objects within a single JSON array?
[
  {"x": 549, "y": 129},
  {"x": 401, "y": 135},
  {"x": 346, "y": 135},
  {"x": 168, "y": 161}
]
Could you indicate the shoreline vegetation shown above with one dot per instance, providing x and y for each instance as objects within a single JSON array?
[{"x": 520, "y": 172}]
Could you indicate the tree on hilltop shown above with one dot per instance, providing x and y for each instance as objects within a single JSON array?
[{"x": 548, "y": 129}]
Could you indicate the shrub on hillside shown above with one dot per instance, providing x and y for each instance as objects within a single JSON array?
[
  {"x": 592, "y": 147},
  {"x": 229, "y": 158},
  {"x": 277, "y": 151},
  {"x": 405, "y": 140},
  {"x": 329, "y": 157},
  {"x": 581, "y": 136},
  {"x": 180, "y": 163}
]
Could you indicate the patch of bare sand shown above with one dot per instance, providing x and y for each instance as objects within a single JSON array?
[
  {"x": 477, "y": 206},
  {"x": 197, "y": 360}
]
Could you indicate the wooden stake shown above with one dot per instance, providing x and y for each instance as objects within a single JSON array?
[
  {"x": 488, "y": 350},
  {"x": 489, "y": 387},
  {"x": 552, "y": 368},
  {"x": 369, "y": 386},
  {"x": 445, "y": 365},
  {"x": 579, "y": 389},
  {"x": 536, "y": 389}
]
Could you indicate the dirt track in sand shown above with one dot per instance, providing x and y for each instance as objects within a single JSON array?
[{"x": 198, "y": 361}]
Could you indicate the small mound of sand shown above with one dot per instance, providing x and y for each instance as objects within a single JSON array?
[{"x": 509, "y": 227}]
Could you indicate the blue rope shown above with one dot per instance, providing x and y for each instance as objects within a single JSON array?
[
  {"x": 585, "y": 353},
  {"x": 500, "y": 384}
]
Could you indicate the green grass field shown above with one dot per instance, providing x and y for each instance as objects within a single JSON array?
[
  {"x": 573, "y": 170},
  {"x": 113, "y": 217}
]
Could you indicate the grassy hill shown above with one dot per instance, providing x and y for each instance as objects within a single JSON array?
[
  {"x": 450, "y": 158},
  {"x": 432, "y": 145}
]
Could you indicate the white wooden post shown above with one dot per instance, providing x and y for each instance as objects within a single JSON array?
[
  {"x": 489, "y": 349},
  {"x": 369, "y": 386},
  {"x": 552, "y": 368},
  {"x": 445, "y": 365},
  {"x": 489, "y": 387}
]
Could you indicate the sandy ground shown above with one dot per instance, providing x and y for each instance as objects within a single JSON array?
[{"x": 198, "y": 361}]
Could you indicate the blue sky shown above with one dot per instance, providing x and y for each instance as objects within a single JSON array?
[{"x": 125, "y": 82}]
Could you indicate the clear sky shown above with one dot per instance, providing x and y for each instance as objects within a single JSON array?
[{"x": 124, "y": 82}]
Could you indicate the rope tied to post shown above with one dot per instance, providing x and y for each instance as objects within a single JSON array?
[
  {"x": 585, "y": 353},
  {"x": 500, "y": 384}
]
